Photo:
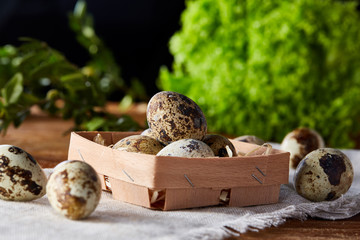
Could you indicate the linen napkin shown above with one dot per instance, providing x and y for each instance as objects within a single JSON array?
[{"x": 113, "y": 219}]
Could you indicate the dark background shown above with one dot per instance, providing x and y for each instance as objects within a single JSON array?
[{"x": 137, "y": 31}]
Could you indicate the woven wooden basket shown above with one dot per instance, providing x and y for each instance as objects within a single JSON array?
[{"x": 169, "y": 183}]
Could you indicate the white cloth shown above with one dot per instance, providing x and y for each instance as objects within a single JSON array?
[{"x": 113, "y": 219}]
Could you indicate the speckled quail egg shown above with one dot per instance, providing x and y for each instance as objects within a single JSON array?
[
  {"x": 324, "y": 174},
  {"x": 139, "y": 144},
  {"x": 190, "y": 148},
  {"x": 148, "y": 132},
  {"x": 250, "y": 139},
  {"x": 300, "y": 142},
  {"x": 173, "y": 116},
  {"x": 74, "y": 189},
  {"x": 21, "y": 177},
  {"x": 220, "y": 145}
]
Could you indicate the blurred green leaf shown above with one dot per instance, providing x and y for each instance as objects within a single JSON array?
[
  {"x": 80, "y": 9},
  {"x": 12, "y": 90},
  {"x": 74, "y": 81},
  {"x": 95, "y": 123},
  {"x": 125, "y": 103}
]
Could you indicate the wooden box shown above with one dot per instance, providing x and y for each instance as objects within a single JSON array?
[{"x": 169, "y": 183}]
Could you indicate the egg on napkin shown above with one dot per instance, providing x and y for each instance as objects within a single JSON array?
[
  {"x": 323, "y": 175},
  {"x": 74, "y": 189},
  {"x": 21, "y": 177}
]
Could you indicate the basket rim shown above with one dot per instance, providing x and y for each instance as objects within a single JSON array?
[{"x": 178, "y": 172}]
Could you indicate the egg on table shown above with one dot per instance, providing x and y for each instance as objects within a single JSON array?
[
  {"x": 172, "y": 116},
  {"x": 74, "y": 189},
  {"x": 139, "y": 144},
  {"x": 300, "y": 142},
  {"x": 190, "y": 148},
  {"x": 323, "y": 175},
  {"x": 21, "y": 177},
  {"x": 220, "y": 145}
]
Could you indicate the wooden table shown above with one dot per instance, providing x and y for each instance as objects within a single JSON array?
[{"x": 43, "y": 137}]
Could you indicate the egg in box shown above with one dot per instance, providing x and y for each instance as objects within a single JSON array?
[
  {"x": 190, "y": 170},
  {"x": 172, "y": 116}
]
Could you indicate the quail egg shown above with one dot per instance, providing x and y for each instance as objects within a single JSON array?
[
  {"x": 221, "y": 146},
  {"x": 21, "y": 177},
  {"x": 300, "y": 142},
  {"x": 173, "y": 116},
  {"x": 250, "y": 139},
  {"x": 149, "y": 133},
  {"x": 324, "y": 174},
  {"x": 190, "y": 148},
  {"x": 139, "y": 144},
  {"x": 74, "y": 189}
]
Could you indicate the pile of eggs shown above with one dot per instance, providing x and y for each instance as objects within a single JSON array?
[{"x": 177, "y": 127}]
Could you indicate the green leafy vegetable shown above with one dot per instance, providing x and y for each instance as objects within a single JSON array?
[{"x": 267, "y": 67}]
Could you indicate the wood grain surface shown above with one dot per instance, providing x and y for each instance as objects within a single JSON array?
[{"x": 45, "y": 138}]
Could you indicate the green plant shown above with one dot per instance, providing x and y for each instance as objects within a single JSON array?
[
  {"x": 267, "y": 67},
  {"x": 36, "y": 74}
]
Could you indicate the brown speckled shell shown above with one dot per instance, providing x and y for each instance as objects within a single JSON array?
[
  {"x": 307, "y": 140},
  {"x": 139, "y": 144},
  {"x": 190, "y": 148},
  {"x": 323, "y": 175},
  {"x": 74, "y": 189},
  {"x": 148, "y": 132},
  {"x": 173, "y": 116},
  {"x": 218, "y": 144},
  {"x": 21, "y": 177}
]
